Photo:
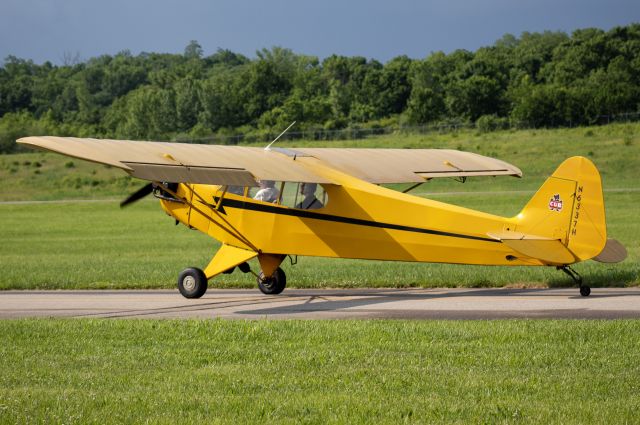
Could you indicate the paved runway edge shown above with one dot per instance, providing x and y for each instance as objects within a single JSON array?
[{"x": 431, "y": 304}]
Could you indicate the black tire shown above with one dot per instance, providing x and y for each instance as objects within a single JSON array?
[
  {"x": 585, "y": 290},
  {"x": 192, "y": 283},
  {"x": 274, "y": 284}
]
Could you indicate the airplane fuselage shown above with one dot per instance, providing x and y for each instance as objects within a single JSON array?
[{"x": 360, "y": 220}]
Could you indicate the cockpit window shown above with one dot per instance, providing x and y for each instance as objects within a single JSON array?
[
  {"x": 267, "y": 192},
  {"x": 236, "y": 190},
  {"x": 307, "y": 196}
]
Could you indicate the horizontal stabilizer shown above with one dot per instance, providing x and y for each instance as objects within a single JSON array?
[
  {"x": 550, "y": 251},
  {"x": 613, "y": 252}
]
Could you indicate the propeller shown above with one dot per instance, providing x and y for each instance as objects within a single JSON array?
[{"x": 137, "y": 195}]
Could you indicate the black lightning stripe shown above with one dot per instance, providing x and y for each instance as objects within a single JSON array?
[{"x": 232, "y": 203}]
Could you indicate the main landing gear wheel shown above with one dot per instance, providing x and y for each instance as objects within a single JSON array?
[
  {"x": 192, "y": 283},
  {"x": 585, "y": 290},
  {"x": 272, "y": 285}
]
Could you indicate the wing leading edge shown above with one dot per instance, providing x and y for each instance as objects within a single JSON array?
[{"x": 244, "y": 166}]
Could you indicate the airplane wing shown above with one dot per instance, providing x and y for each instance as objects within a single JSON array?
[
  {"x": 181, "y": 162},
  {"x": 243, "y": 166},
  {"x": 410, "y": 165}
]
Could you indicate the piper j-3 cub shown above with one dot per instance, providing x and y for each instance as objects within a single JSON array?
[{"x": 328, "y": 202}]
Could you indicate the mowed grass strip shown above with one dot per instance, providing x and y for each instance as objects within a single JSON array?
[
  {"x": 76, "y": 245},
  {"x": 131, "y": 371}
]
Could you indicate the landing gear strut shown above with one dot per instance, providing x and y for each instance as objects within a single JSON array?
[
  {"x": 584, "y": 289},
  {"x": 192, "y": 282}
]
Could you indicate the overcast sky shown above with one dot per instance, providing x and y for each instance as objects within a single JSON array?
[{"x": 44, "y": 30}]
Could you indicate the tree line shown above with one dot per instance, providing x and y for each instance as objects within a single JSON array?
[{"x": 547, "y": 79}]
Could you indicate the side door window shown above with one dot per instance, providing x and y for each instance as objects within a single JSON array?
[{"x": 310, "y": 196}]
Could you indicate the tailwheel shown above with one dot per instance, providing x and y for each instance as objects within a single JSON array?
[
  {"x": 192, "y": 283},
  {"x": 272, "y": 285},
  {"x": 585, "y": 290}
]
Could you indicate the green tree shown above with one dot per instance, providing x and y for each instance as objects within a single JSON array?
[
  {"x": 546, "y": 79},
  {"x": 429, "y": 79},
  {"x": 16, "y": 85},
  {"x": 226, "y": 58},
  {"x": 473, "y": 97},
  {"x": 188, "y": 107},
  {"x": 395, "y": 87},
  {"x": 123, "y": 74},
  {"x": 193, "y": 50},
  {"x": 148, "y": 113},
  {"x": 353, "y": 86},
  {"x": 534, "y": 50},
  {"x": 266, "y": 86},
  {"x": 222, "y": 98}
]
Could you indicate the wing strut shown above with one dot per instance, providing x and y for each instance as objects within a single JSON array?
[
  {"x": 410, "y": 188},
  {"x": 233, "y": 231},
  {"x": 216, "y": 209}
]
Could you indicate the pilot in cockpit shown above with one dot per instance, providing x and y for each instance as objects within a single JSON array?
[
  {"x": 310, "y": 202},
  {"x": 267, "y": 192}
]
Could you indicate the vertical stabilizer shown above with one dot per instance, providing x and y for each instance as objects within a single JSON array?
[{"x": 569, "y": 207}]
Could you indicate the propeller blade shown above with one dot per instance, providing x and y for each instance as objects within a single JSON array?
[{"x": 137, "y": 195}]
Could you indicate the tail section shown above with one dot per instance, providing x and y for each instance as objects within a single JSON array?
[{"x": 568, "y": 208}]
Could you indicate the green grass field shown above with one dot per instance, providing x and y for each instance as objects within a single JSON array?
[
  {"x": 129, "y": 371},
  {"x": 97, "y": 245},
  {"x": 375, "y": 371}
]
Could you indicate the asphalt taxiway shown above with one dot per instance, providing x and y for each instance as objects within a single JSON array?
[{"x": 485, "y": 303}]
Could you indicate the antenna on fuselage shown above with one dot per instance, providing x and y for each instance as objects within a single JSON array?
[{"x": 280, "y": 135}]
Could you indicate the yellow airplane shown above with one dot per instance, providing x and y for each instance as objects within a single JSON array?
[{"x": 329, "y": 202}]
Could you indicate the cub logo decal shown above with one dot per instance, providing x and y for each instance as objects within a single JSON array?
[{"x": 555, "y": 203}]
